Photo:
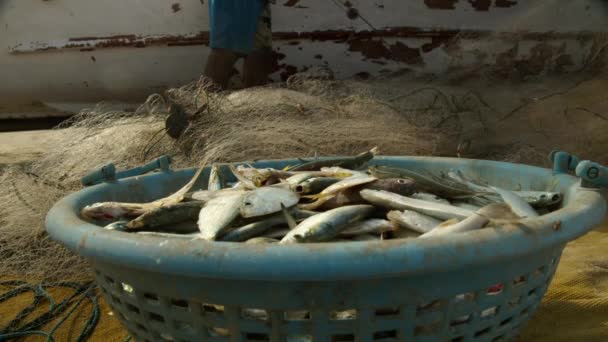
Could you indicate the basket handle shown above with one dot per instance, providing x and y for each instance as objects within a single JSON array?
[
  {"x": 593, "y": 175},
  {"x": 563, "y": 162},
  {"x": 107, "y": 173}
]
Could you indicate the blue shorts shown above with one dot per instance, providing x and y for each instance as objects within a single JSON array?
[{"x": 233, "y": 24}]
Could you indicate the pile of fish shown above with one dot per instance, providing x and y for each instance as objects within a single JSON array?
[{"x": 325, "y": 200}]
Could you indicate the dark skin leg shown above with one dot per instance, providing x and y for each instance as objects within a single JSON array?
[
  {"x": 257, "y": 67},
  {"x": 219, "y": 66}
]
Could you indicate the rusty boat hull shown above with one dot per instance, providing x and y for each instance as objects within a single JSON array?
[{"x": 66, "y": 54}]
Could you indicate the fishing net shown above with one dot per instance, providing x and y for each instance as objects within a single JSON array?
[{"x": 311, "y": 114}]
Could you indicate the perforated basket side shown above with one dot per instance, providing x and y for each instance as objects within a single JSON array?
[{"x": 481, "y": 313}]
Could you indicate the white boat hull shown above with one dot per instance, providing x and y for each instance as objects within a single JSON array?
[{"x": 67, "y": 53}]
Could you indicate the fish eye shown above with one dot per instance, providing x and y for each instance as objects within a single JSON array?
[
  {"x": 248, "y": 203},
  {"x": 543, "y": 196},
  {"x": 555, "y": 198}
]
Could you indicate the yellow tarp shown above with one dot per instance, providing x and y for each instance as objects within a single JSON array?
[{"x": 575, "y": 307}]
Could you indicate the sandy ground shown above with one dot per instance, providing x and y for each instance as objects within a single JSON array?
[{"x": 18, "y": 147}]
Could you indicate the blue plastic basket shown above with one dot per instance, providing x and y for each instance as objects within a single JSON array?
[{"x": 441, "y": 289}]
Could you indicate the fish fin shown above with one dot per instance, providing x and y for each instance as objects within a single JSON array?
[
  {"x": 179, "y": 195},
  {"x": 291, "y": 222},
  {"x": 247, "y": 183},
  {"x": 318, "y": 203},
  {"x": 375, "y": 150},
  {"x": 318, "y": 196}
]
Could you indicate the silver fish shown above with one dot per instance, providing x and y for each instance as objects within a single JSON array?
[
  {"x": 217, "y": 215},
  {"x": 110, "y": 211},
  {"x": 299, "y": 178},
  {"x": 472, "y": 222},
  {"x": 405, "y": 234},
  {"x": 413, "y": 220},
  {"x": 207, "y": 195},
  {"x": 535, "y": 198},
  {"x": 169, "y": 235},
  {"x": 342, "y": 171},
  {"x": 540, "y": 198},
  {"x": 398, "y": 202},
  {"x": 120, "y": 226},
  {"x": 278, "y": 233},
  {"x": 314, "y": 185},
  {"x": 370, "y": 226},
  {"x": 261, "y": 227},
  {"x": 518, "y": 204},
  {"x": 425, "y": 196},
  {"x": 267, "y": 200},
  {"x": 333, "y": 189},
  {"x": 476, "y": 221},
  {"x": 215, "y": 181},
  {"x": 245, "y": 182},
  {"x": 262, "y": 240},
  {"x": 166, "y": 215},
  {"x": 348, "y": 162},
  {"x": 465, "y": 205},
  {"x": 254, "y": 229},
  {"x": 424, "y": 180},
  {"x": 327, "y": 225}
]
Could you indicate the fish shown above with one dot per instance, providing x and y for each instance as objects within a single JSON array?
[
  {"x": 278, "y": 233},
  {"x": 540, "y": 199},
  {"x": 427, "y": 183},
  {"x": 169, "y": 235},
  {"x": 120, "y": 226},
  {"x": 476, "y": 221},
  {"x": 413, "y": 220},
  {"x": 331, "y": 191},
  {"x": 314, "y": 185},
  {"x": 402, "y": 233},
  {"x": 263, "y": 176},
  {"x": 345, "y": 162},
  {"x": 267, "y": 200},
  {"x": 165, "y": 215},
  {"x": 299, "y": 178},
  {"x": 343, "y": 171},
  {"x": 352, "y": 195},
  {"x": 217, "y": 214},
  {"x": 261, "y": 240},
  {"x": 394, "y": 201},
  {"x": 207, "y": 195},
  {"x": 244, "y": 182},
  {"x": 215, "y": 181},
  {"x": 327, "y": 225},
  {"x": 258, "y": 228},
  {"x": 253, "y": 229},
  {"x": 111, "y": 211},
  {"x": 534, "y": 198},
  {"x": 370, "y": 226},
  {"x": 519, "y": 206},
  {"x": 466, "y": 205},
  {"x": 425, "y": 196},
  {"x": 289, "y": 219}
]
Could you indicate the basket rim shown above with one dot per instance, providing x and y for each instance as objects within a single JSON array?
[{"x": 327, "y": 261}]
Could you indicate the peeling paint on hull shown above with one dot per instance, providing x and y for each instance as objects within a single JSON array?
[{"x": 84, "y": 51}]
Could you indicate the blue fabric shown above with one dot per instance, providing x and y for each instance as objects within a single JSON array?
[{"x": 233, "y": 24}]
